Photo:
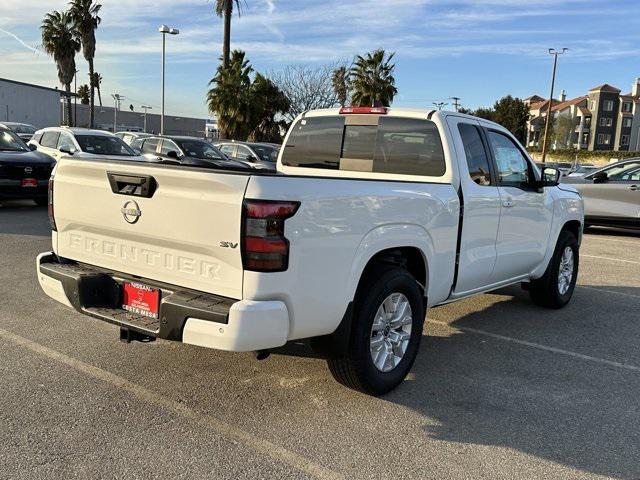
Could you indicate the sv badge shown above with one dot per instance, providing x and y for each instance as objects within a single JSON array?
[{"x": 228, "y": 245}]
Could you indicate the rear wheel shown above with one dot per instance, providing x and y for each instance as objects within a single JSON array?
[
  {"x": 555, "y": 288},
  {"x": 385, "y": 336}
]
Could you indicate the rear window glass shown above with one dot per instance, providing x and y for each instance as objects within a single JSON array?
[
  {"x": 104, "y": 145},
  {"x": 403, "y": 146}
]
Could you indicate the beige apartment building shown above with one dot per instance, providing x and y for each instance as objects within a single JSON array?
[{"x": 603, "y": 119}]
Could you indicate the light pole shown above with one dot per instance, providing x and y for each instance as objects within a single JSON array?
[
  {"x": 171, "y": 31},
  {"x": 440, "y": 105},
  {"x": 117, "y": 98},
  {"x": 145, "y": 108},
  {"x": 555, "y": 53}
]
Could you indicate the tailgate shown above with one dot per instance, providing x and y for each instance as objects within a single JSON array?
[{"x": 185, "y": 232}]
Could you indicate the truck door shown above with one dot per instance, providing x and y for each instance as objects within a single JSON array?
[
  {"x": 481, "y": 199},
  {"x": 526, "y": 211}
]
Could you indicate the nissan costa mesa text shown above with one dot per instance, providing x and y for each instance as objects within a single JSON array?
[{"x": 373, "y": 216}]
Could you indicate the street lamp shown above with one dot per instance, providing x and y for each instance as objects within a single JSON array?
[
  {"x": 555, "y": 53},
  {"x": 163, "y": 29},
  {"x": 145, "y": 108}
]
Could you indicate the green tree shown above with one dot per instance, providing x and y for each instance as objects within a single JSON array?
[
  {"x": 85, "y": 16},
  {"x": 486, "y": 113},
  {"x": 59, "y": 40},
  {"x": 84, "y": 94},
  {"x": 224, "y": 9},
  {"x": 269, "y": 103},
  {"x": 513, "y": 114},
  {"x": 96, "y": 80},
  {"x": 562, "y": 131},
  {"x": 340, "y": 83},
  {"x": 372, "y": 80},
  {"x": 230, "y": 97}
]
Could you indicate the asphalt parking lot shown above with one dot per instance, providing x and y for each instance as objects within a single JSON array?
[{"x": 501, "y": 389}]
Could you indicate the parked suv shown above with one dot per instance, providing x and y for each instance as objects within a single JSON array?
[
  {"x": 81, "y": 142},
  {"x": 257, "y": 155}
]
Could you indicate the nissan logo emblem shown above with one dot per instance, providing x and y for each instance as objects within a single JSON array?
[
  {"x": 28, "y": 170},
  {"x": 131, "y": 212}
]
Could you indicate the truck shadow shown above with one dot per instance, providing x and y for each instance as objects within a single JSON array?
[{"x": 578, "y": 412}]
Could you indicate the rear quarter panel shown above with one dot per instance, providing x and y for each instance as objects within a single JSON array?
[{"x": 340, "y": 225}]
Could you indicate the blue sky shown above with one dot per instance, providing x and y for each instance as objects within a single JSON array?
[{"x": 478, "y": 50}]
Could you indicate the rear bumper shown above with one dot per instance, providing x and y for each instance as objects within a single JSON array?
[
  {"x": 11, "y": 188},
  {"x": 185, "y": 315}
]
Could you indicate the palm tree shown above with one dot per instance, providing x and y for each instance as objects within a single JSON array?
[
  {"x": 372, "y": 81},
  {"x": 269, "y": 103},
  {"x": 230, "y": 97},
  {"x": 83, "y": 93},
  {"x": 59, "y": 40},
  {"x": 340, "y": 82},
  {"x": 96, "y": 80},
  {"x": 86, "y": 19},
  {"x": 224, "y": 8}
]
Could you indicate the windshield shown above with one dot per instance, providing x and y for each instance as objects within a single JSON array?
[
  {"x": 104, "y": 145},
  {"x": 9, "y": 141},
  {"x": 200, "y": 149},
  {"x": 266, "y": 153},
  {"x": 24, "y": 129}
]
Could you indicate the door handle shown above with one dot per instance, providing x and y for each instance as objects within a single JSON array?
[
  {"x": 507, "y": 203},
  {"x": 633, "y": 188}
]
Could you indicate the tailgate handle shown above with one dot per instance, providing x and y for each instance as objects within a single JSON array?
[{"x": 132, "y": 185}]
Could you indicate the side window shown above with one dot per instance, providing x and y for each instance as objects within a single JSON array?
[
  {"x": 150, "y": 145},
  {"x": 168, "y": 146},
  {"x": 624, "y": 172},
  {"x": 50, "y": 139},
  {"x": 243, "y": 152},
  {"x": 37, "y": 137},
  {"x": 65, "y": 141},
  {"x": 477, "y": 159},
  {"x": 513, "y": 168},
  {"x": 227, "y": 149}
]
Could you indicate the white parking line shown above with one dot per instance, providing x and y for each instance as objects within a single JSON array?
[
  {"x": 546, "y": 348},
  {"x": 262, "y": 446},
  {"x": 607, "y": 239},
  {"x": 610, "y": 259}
]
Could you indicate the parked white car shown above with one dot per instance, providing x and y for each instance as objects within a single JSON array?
[
  {"x": 82, "y": 143},
  {"x": 374, "y": 216}
]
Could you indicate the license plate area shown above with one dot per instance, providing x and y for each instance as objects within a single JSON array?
[
  {"x": 141, "y": 299},
  {"x": 29, "y": 183}
]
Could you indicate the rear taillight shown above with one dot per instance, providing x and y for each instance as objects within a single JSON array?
[
  {"x": 52, "y": 218},
  {"x": 364, "y": 110},
  {"x": 264, "y": 246}
]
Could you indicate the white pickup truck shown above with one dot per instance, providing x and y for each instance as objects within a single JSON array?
[{"x": 374, "y": 215}]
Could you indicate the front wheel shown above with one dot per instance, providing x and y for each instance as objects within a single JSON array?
[
  {"x": 555, "y": 288},
  {"x": 385, "y": 336}
]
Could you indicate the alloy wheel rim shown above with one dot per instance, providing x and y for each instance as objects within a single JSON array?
[
  {"x": 391, "y": 332},
  {"x": 565, "y": 273}
]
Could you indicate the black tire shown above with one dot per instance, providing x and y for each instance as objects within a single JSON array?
[
  {"x": 357, "y": 370},
  {"x": 41, "y": 202},
  {"x": 545, "y": 290}
]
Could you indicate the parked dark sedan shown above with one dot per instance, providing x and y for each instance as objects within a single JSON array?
[{"x": 24, "y": 173}]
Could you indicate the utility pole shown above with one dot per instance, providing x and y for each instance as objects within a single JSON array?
[
  {"x": 440, "y": 105},
  {"x": 456, "y": 102},
  {"x": 117, "y": 98},
  {"x": 555, "y": 53},
  {"x": 75, "y": 98},
  {"x": 145, "y": 108}
]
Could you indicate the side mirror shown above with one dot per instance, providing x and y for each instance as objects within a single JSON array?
[
  {"x": 550, "y": 177},
  {"x": 32, "y": 147},
  {"x": 600, "y": 177},
  {"x": 67, "y": 150},
  {"x": 173, "y": 154},
  {"x": 248, "y": 157}
]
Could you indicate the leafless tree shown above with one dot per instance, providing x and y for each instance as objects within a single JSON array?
[{"x": 307, "y": 87}]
